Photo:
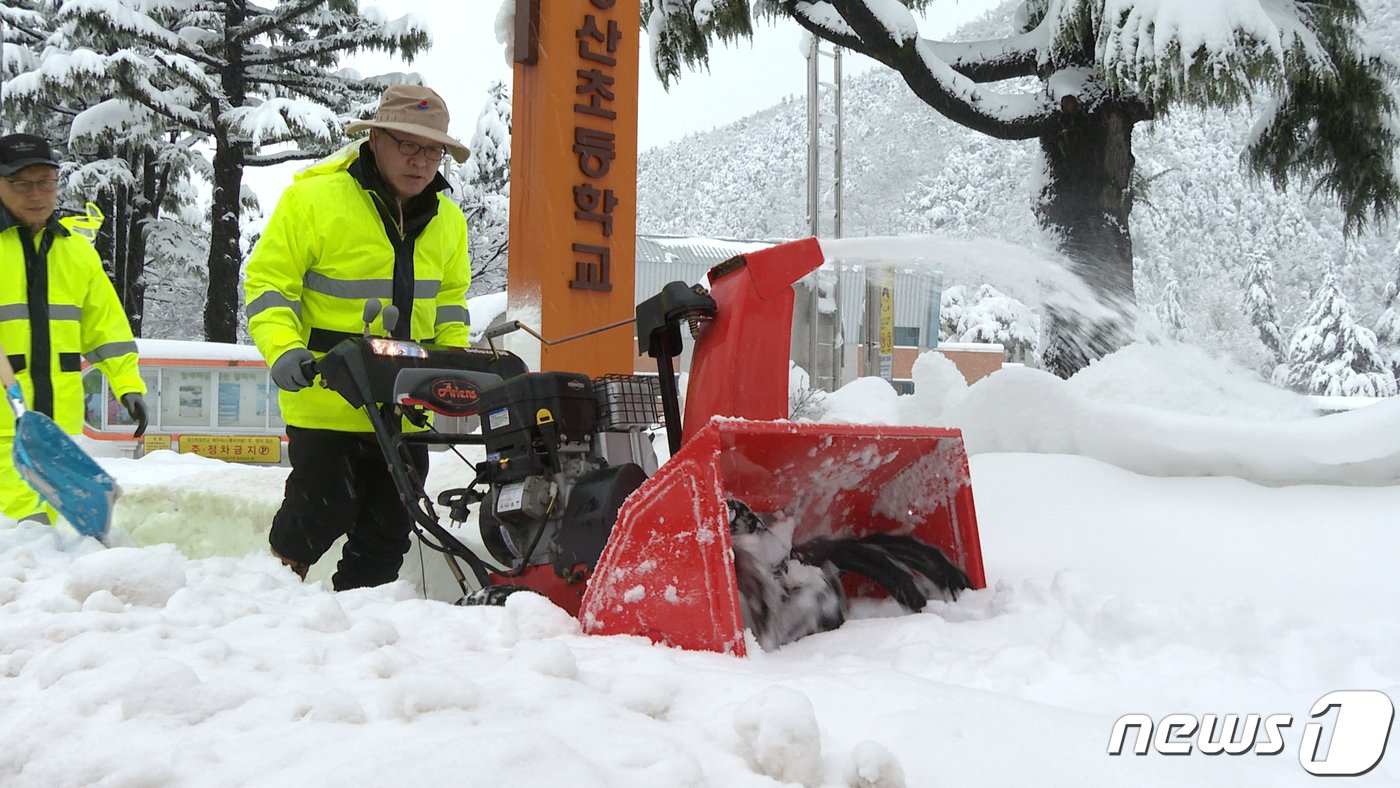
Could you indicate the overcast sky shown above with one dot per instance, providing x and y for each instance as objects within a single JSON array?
[{"x": 743, "y": 79}]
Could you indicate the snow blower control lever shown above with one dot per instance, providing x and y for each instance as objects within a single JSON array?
[{"x": 659, "y": 336}]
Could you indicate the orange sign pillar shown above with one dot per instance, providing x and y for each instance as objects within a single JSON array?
[{"x": 573, "y": 180}]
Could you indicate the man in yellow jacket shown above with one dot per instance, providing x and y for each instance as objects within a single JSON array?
[
  {"x": 56, "y": 307},
  {"x": 368, "y": 223}
]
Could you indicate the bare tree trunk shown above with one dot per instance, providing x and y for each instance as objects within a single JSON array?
[
  {"x": 145, "y": 211},
  {"x": 225, "y": 256},
  {"x": 1086, "y": 202},
  {"x": 122, "y": 220},
  {"x": 225, "y": 253},
  {"x": 121, "y": 242}
]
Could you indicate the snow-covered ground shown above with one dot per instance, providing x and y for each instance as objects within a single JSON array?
[{"x": 1162, "y": 535}]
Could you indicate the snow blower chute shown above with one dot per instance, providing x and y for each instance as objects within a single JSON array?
[{"x": 669, "y": 568}]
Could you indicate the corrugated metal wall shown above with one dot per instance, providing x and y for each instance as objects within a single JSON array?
[
  {"x": 914, "y": 292},
  {"x": 663, "y": 259}
]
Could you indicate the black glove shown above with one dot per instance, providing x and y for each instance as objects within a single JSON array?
[
  {"x": 135, "y": 406},
  {"x": 293, "y": 370}
]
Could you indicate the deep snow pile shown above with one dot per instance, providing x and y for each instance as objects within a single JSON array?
[{"x": 206, "y": 663}]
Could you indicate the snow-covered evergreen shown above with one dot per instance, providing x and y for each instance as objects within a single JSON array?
[
  {"x": 482, "y": 187},
  {"x": 1388, "y": 332},
  {"x": 1260, "y": 305},
  {"x": 987, "y": 315},
  {"x": 1330, "y": 354},
  {"x": 1169, "y": 312},
  {"x": 240, "y": 83},
  {"x": 1388, "y": 324}
]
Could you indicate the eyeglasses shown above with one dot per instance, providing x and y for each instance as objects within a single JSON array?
[
  {"x": 46, "y": 186},
  {"x": 410, "y": 148}
]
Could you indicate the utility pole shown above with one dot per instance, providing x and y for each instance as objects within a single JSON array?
[
  {"x": 817, "y": 336},
  {"x": 824, "y": 143}
]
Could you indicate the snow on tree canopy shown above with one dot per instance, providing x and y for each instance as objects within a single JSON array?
[
  {"x": 1156, "y": 45},
  {"x": 704, "y": 9},
  {"x": 505, "y": 29},
  {"x": 109, "y": 117},
  {"x": 60, "y": 67},
  {"x": 122, "y": 17},
  {"x": 1151, "y": 46},
  {"x": 279, "y": 117},
  {"x": 406, "y": 25}
]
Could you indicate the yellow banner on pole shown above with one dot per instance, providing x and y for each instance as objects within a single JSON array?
[{"x": 886, "y": 321}]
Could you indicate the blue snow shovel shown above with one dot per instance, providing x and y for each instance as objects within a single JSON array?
[{"x": 56, "y": 467}]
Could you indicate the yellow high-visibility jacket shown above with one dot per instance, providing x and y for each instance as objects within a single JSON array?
[
  {"x": 327, "y": 249},
  {"x": 49, "y": 322}
]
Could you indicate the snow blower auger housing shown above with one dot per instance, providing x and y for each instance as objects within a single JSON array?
[{"x": 669, "y": 569}]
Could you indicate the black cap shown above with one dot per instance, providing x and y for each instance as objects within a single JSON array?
[{"x": 18, "y": 151}]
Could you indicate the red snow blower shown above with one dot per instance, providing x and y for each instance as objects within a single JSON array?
[{"x": 754, "y": 521}]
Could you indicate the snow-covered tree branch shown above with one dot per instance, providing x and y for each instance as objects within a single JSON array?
[{"x": 235, "y": 74}]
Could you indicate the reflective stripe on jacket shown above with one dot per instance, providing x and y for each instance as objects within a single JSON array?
[
  {"x": 81, "y": 317},
  {"x": 325, "y": 251}
]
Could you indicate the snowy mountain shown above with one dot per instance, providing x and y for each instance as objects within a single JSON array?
[{"x": 907, "y": 170}]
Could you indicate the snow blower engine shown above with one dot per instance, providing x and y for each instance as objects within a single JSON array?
[
  {"x": 563, "y": 450},
  {"x": 562, "y": 453}
]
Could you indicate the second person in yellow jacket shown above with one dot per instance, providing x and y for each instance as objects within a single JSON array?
[{"x": 57, "y": 307}]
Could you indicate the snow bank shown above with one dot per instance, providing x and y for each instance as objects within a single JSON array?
[{"x": 1204, "y": 418}]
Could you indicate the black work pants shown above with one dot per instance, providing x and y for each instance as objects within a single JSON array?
[{"x": 340, "y": 485}]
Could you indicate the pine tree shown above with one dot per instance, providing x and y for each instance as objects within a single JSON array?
[
  {"x": 482, "y": 186},
  {"x": 1388, "y": 324},
  {"x": 133, "y": 165},
  {"x": 953, "y": 302},
  {"x": 239, "y": 77},
  {"x": 1330, "y": 354},
  {"x": 1094, "y": 71},
  {"x": 1169, "y": 311},
  {"x": 490, "y": 159},
  {"x": 991, "y": 316},
  {"x": 1259, "y": 304}
]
